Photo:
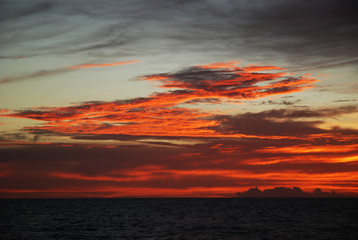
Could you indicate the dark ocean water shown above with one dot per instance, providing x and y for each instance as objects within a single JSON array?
[{"x": 179, "y": 219}]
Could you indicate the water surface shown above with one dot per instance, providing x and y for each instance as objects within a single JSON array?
[{"x": 179, "y": 219}]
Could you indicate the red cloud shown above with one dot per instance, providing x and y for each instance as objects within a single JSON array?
[
  {"x": 262, "y": 68},
  {"x": 266, "y": 149},
  {"x": 160, "y": 114},
  {"x": 227, "y": 81}
]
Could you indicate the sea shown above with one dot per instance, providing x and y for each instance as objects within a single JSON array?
[{"x": 179, "y": 218}]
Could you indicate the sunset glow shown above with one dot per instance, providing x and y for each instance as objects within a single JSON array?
[{"x": 207, "y": 108}]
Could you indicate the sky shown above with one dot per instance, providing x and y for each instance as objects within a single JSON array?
[{"x": 177, "y": 98}]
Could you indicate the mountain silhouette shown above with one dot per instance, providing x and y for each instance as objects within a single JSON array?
[{"x": 284, "y": 192}]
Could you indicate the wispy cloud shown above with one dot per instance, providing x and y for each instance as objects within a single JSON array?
[
  {"x": 102, "y": 64},
  {"x": 230, "y": 28},
  {"x": 33, "y": 75},
  {"x": 61, "y": 71}
]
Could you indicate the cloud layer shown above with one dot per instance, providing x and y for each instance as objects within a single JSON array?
[
  {"x": 161, "y": 145},
  {"x": 163, "y": 114},
  {"x": 318, "y": 34}
]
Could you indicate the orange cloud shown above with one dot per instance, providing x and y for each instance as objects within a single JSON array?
[
  {"x": 278, "y": 147},
  {"x": 102, "y": 65},
  {"x": 313, "y": 149},
  {"x": 208, "y": 171},
  {"x": 226, "y": 81},
  {"x": 228, "y": 64},
  {"x": 262, "y": 68},
  {"x": 207, "y": 182},
  {"x": 95, "y": 178},
  {"x": 3, "y": 110},
  {"x": 159, "y": 113},
  {"x": 113, "y": 192},
  {"x": 9, "y": 143}
]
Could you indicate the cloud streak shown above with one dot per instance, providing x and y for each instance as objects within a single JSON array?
[
  {"x": 315, "y": 35},
  {"x": 61, "y": 71},
  {"x": 102, "y": 65}
]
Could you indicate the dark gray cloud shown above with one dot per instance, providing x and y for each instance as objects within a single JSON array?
[
  {"x": 314, "y": 34},
  {"x": 283, "y": 102},
  {"x": 33, "y": 75},
  {"x": 284, "y": 122},
  {"x": 303, "y": 30},
  {"x": 16, "y": 136},
  {"x": 17, "y": 9},
  {"x": 196, "y": 76},
  {"x": 306, "y": 112},
  {"x": 228, "y": 82},
  {"x": 57, "y": 71},
  {"x": 258, "y": 125},
  {"x": 346, "y": 100}
]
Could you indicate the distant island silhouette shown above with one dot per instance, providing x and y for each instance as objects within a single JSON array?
[{"x": 294, "y": 192}]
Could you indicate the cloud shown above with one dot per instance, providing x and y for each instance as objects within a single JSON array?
[
  {"x": 284, "y": 122},
  {"x": 61, "y": 71},
  {"x": 102, "y": 65},
  {"x": 94, "y": 146},
  {"x": 232, "y": 166},
  {"x": 262, "y": 68},
  {"x": 162, "y": 114},
  {"x": 183, "y": 151},
  {"x": 306, "y": 112},
  {"x": 313, "y": 35},
  {"x": 27, "y": 10},
  {"x": 346, "y": 100},
  {"x": 17, "y": 137},
  {"x": 13, "y": 57},
  {"x": 225, "y": 80},
  {"x": 33, "y": 75},
  {"x": 256, "y": 124},
  {"x": 282, "y": 102}
]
